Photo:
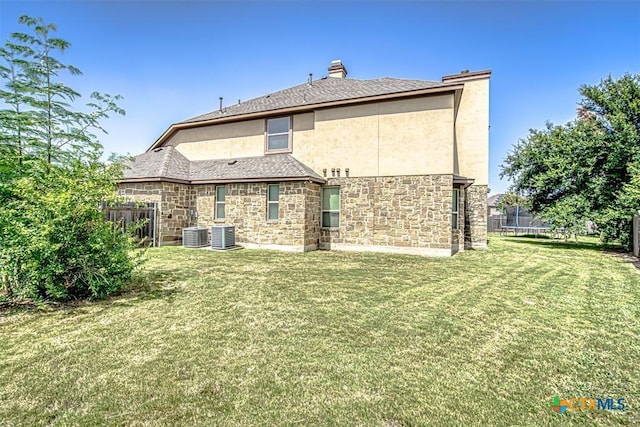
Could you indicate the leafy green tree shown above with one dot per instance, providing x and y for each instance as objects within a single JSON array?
[
  {"x": 55, "y": 242},
  {"x": 584, "y": 169},
  {"x": 42, "y": 120}
]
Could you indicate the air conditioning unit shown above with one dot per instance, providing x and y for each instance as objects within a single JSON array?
[
  {"x": 194, "y": 237},
  {"x": 223, "y": 237}
]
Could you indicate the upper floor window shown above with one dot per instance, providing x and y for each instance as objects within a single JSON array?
[{"x": 279, "y": 134}]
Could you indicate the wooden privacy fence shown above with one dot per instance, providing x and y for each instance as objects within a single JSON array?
[{"x": 140, "y": 215}]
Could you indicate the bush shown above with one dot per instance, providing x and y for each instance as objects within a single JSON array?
[{"x": 55, "y": 243}]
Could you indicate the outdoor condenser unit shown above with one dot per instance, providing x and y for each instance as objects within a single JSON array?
[
  {"x": 194, "y": 237},
  {"x": 223, "y": 236}
]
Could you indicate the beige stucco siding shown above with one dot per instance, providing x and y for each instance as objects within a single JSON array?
[
  {"x": 224, "y": 141},
  {"x": 413, "y": 136},
  {"x": 472, "y": 131},
  {"x": 416, "y": 142},
  {"x": 344, "y": 137},
  {"x": 402, "y": 137}
]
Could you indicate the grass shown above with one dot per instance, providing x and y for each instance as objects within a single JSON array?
[{"x": 328, "y": 338}]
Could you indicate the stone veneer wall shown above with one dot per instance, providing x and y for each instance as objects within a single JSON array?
[
  {"x": 246, "y": 209},
  {"x": 476, "y": 216},
  {"x": 175, "y": 212},
  {"x": 173, "y": 203},
  {"x": 406, "y": 214},
  {"x": 312, "y": 219}
]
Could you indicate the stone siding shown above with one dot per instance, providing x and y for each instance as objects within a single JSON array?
[
  {"x": 398, "y": 212},
  {"x": 246, "y": 209},
  {"x": 173, "y": 204},
  {"x": 312, "y": 220},
  {"x": 476, "y": 216},
  {"x": 175, "y": 212},
  {"x": 405, "y": 214}
]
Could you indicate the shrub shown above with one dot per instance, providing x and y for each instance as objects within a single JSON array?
[{"x": 55, "y": 243}]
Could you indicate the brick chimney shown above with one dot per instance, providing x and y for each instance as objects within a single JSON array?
[{"x": 337, "y": 70}]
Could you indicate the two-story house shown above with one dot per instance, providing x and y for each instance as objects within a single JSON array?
[{"x": 387, "y": 164}]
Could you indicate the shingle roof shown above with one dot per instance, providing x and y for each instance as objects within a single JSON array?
[
  {"x": 495, "y": 199},
  {"x": 167, "y": 163},
  {"x": 320, "y": 91}
]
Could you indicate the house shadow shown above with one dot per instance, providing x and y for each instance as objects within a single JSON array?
[
  {"x": 144, "y": 286},
  {"x": 569, "y": 244}
]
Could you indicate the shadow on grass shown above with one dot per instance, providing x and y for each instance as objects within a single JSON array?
[
  {"x": 568, "y": 244},
  {"x": 145, "y": 285}
]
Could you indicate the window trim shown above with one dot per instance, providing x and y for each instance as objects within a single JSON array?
[
  {"x": 323, "y": 210},
  {"x": 455, "y": 209},
  {"x": 289, "y": 134},
  {"x": 218, "y": 202},
  {"x": 273, "y": 202}
]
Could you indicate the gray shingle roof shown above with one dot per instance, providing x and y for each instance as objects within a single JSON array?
[
  {"x": 495, "y": 199},
  {"x": 167, "y": 163},
  {"x": 320, "y": 91}
]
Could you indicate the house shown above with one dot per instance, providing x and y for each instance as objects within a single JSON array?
[
  {"x": 390, "y": 165},
  {"x": 492, "y": 204}
]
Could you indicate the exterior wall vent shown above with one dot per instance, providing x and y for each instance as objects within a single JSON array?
[
  {"x": 195, "y": 237},
  {"x": 223, "y": 237}
]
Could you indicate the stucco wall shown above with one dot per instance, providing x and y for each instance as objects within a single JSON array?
[
  {"x": 472, "y": 131},
  {"x": 411, "y": 136},
  {"x": 223, "y": 141}
]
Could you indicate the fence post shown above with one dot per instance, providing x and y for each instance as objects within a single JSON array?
[{"x": 636, "y": 234}]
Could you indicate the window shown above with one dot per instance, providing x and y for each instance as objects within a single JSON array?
[
  {"x": 279, "y": 134},
  {"x": 273, "y": 195},
  {"x": 220, "y": 193},
  {"x": 331, "y": 207},
  {"x": 454, "y": 208}
]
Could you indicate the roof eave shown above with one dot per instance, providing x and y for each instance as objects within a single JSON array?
[
  {"x": 153, "y": 179},
  {"x": 224, "y": 181},
  {"x": 260, "y": 179},
  {"x": 446, "y": 87},
  {"x": 462, "y": 180},
  {"x": 467, "y": 76}
]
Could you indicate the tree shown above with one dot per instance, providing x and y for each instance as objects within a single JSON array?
[
  {"x": 584, "y": 169},
  {"x": 54, "y": 240}
]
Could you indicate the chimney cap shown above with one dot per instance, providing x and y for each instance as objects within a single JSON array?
[{"x": 337, "y": 69}]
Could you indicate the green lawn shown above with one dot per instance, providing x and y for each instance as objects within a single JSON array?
[{"x": 328, "y": 338}]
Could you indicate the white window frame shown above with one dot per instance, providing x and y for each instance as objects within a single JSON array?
[
  {"x": 273, "y": 202},
  {"x": 323, "y": 210},
  {"x": 289, "y": 134},
  {"x": 221, "y": 203}
]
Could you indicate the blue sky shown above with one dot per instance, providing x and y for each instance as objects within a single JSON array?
[{"x": 171, "y": 60}]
